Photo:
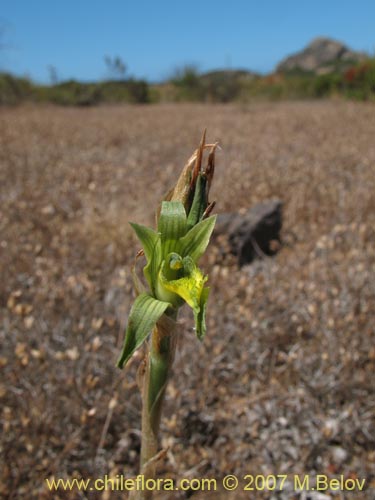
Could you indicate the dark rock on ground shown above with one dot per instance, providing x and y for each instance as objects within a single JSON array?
[{"x": 253, "y": 234}]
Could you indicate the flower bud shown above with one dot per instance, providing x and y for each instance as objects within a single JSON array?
[{"x": 193, "y": 185}]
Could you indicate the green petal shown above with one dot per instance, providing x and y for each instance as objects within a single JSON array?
[
  {"x": 195, "y": 242},
  {"x": 189, "y": 287},
  {"x": 143, "y": 316},
  {"x": 172, "y": 225}
]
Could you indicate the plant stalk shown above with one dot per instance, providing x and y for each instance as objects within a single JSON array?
[{"x": 159, "y": 360}]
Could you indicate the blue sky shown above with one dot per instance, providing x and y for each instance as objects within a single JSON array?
[{"x": 156, "y": 37}]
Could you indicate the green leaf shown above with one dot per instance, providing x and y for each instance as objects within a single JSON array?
[
  {"x": 150, "y": 241},
  {"x": 195, "y": 242},
  {"x": 172, "y": 225},
  {"x": 143, "y": 316}
]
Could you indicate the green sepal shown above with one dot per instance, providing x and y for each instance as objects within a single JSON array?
[
  {"x": 200, "y": 316},
  {"x": 143, "y": 316},
  {"x": 195, "y": 242},
  {"x": 171, "y": 226},
  {"x": 150, "y": 241}
]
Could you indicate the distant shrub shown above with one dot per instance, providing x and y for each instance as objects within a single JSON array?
[
  {"x": 225, "y": 85},
  {"x": 122, "y": 91},
  {"x": 359, "y": 81},
  {"x": 73, "y": 93},
  {"x": 270, "y": 87},
  {"x": 326, "y": 85},
  {"x": 188, "y": 84},
  {"x": 14, "y": 90},
  {"x": 138, "y": 91},
  {"x": 216, "y": 86},
  {"x": 354, "y": 82}
]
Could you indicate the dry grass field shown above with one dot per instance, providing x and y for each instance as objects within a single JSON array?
[{"x": 284, "y": 381}]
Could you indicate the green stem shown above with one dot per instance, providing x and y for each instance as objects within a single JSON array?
[{"x": 158, "y": 367}]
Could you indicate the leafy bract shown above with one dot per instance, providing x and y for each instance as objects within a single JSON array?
[
  {"x": 147, "y": 237},
  {"x": 143, "y": 316},
  {"x": 151, "y": 243}
]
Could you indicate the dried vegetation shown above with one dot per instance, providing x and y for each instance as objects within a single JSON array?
[{"x": 284, "y": 381}]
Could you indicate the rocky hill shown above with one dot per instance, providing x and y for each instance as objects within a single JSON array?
[{"x": 322, "y": 55}]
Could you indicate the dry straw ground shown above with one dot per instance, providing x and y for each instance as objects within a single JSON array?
[{"x": 284, "y": 382}]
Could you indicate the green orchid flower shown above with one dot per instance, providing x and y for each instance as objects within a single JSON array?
[
  {"x": 172, "y": 252},
  {"x": 172, "y": 273}
]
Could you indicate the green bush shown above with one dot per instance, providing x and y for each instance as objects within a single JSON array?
[
  {"x": 326, "y": 85},
  {"x": 355, "y": 82},
  {"x": 223, "y": 86},
  {"x": 188, "y": 85},
  {"x": 14, "y": 90},
  {"x": 73, "y": 93},
  {"x": 359, "y": 81}
]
